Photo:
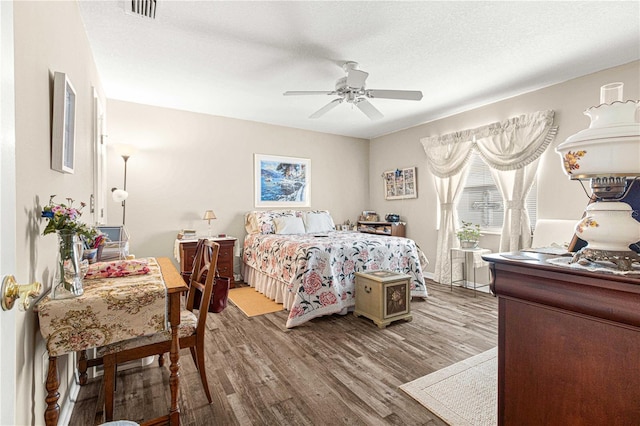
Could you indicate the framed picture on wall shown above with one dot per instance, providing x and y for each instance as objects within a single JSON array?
[
  {"x": 282, "y": 181},
  {"x": 400, "y": 184},
  {"x": 63, "y": 129}
]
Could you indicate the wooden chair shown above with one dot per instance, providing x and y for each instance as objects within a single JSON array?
[{"x": 191, "y": 330}]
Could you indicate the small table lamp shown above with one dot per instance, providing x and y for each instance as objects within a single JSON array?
[{"x": 208, "y": 215}]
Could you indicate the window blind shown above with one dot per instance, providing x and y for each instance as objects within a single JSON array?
[{"x": 481, "y": 202}]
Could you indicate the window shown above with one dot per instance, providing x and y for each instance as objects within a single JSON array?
[{"x": 481, "y": 201}]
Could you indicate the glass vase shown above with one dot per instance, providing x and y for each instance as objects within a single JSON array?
[{"x": 68, "y": 276}]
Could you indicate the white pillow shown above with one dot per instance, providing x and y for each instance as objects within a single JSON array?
[
  {"x": 315, "y": 222},
  {"x": 251, "y": 223},
  {"x": 289, "y": 225}
]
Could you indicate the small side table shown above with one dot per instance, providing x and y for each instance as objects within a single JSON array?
[{"x": 467, "y": 257}]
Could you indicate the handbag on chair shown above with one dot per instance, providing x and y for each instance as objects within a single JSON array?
[{"x": 220, "y": 294}]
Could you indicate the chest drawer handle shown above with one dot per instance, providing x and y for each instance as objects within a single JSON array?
[{"x": 367, "y": 289}]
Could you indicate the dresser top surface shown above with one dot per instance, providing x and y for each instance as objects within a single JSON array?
[
  {"x": 540, "y": 262},
  {"x": 195, "y": 240}
]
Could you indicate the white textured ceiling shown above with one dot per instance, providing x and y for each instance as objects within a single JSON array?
[{"x": 235, "y": 59}]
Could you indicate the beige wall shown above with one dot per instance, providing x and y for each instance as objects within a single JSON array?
[
  {"x": 188, "y": 163},
  {"x": 49, "y": 36},
  {"x": 558, "y": 197},
  {"x": 182, "y": 152}
]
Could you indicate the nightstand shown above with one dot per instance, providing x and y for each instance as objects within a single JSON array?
[
  {"x": 383, "y": 296},
  {"x": 187, "y": 252}
]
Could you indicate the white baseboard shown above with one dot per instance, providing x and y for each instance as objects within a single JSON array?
[{"x": 66, "y": 407}]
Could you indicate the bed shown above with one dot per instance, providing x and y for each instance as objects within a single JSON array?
[{"x": 297, "y": 258}]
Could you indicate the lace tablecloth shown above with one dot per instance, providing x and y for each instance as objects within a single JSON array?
[{"x": 110, "y": 310}]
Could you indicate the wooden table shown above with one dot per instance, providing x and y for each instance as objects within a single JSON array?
[
  {"x": 568, "y": 343},
  {"x": 175, "y": 286}
]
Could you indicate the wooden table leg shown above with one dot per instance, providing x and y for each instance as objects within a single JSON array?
[
  {"x": 174, "y": 355},
  {"x": 52, "y": 412},
  {"x": 109, "y": 375},
  {"x": 82, "y": 367}
]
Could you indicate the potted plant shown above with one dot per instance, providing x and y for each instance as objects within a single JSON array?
[{"x": 469, "y": 235}]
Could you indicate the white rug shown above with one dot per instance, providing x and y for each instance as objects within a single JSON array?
[{"x": 463, "y": 394}]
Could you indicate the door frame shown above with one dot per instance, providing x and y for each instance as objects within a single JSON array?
[
  {"x": 8, "y": 376},
  {"x": 98, "y": 206}
]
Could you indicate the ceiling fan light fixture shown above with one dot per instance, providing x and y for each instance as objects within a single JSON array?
[{"x": 356, "y": 79}]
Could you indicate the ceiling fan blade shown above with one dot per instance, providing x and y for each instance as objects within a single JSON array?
[
  {"x": 410, "y": 95},
  {"x": 356, "y": 78},
  {"x": 325, "y": 109},
  {"x": 307, "y": 92},
  {"x": 368, "y": 109}
]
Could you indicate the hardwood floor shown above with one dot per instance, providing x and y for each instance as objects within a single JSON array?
[{"x": 336, "y": 370}]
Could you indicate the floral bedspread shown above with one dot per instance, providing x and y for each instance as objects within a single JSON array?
[
  {"x": 321, "y": 270},
  {"x": 110, "y": 310}
]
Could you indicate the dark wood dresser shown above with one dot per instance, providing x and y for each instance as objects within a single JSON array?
[
  {"x": 568, "y": 344},
  {"x": 225, "y": 257}
]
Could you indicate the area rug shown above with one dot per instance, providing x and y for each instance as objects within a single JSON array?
[
  {"x": 251, "y": 302},
  {"x": 463, "y": 394}
]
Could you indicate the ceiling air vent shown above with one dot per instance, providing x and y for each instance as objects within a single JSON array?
[{"x": 146, "y": 8}]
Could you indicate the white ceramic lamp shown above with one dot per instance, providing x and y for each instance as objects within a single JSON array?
[{"x": 607, "y": 154}]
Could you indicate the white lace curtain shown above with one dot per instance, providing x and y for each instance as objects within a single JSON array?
[{"x": 512, "y": 149}]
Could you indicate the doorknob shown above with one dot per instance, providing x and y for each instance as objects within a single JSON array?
[{"x": 11, "y": 291}]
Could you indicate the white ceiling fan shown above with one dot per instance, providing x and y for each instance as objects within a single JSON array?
[{"x": 352, "y": 89}]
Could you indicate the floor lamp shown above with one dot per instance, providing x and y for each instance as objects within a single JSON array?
[{"x": 121, "y": 195}]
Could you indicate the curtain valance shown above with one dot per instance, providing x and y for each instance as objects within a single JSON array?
[{"x": 507, "y": 145}]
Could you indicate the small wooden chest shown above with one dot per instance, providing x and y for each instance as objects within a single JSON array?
[{"x": 383, "y": 296}]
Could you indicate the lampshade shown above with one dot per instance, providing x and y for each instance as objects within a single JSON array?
[
  {"x": 119, "y": 195},
  {"x": 208, "y": 215},
  {"x": 124, "y": 150},
  {"x": 610, "y": 147}
]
